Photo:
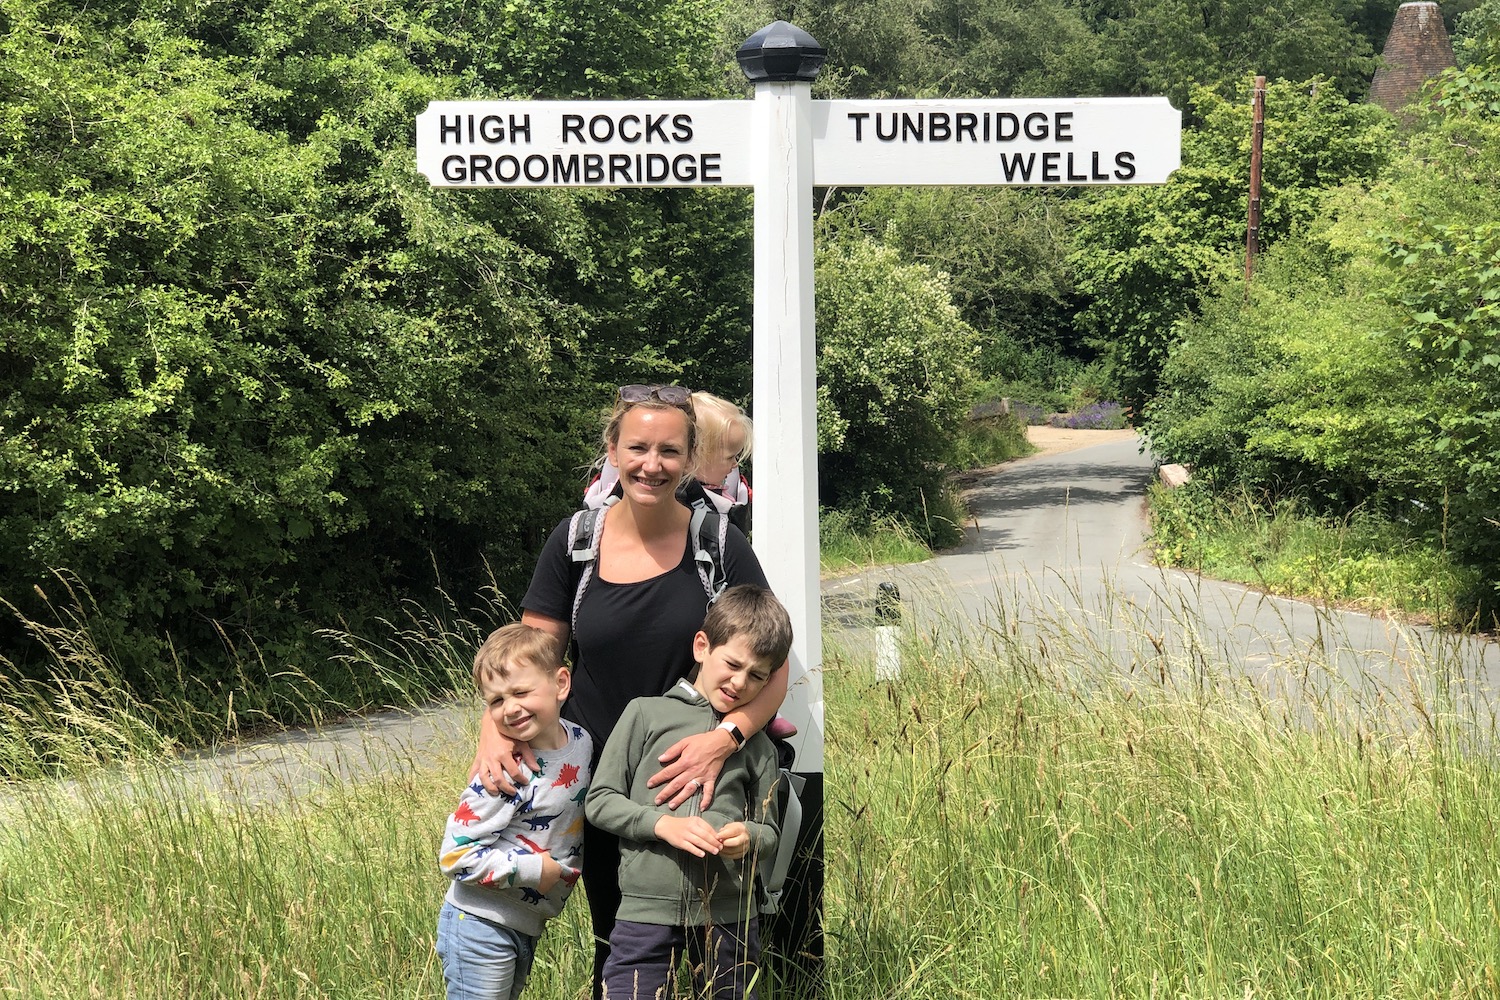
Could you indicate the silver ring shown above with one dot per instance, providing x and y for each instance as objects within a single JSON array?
[{"x": 694, "y": 784}]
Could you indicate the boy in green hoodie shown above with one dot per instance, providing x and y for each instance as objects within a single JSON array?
[{"x": 687, "y": 882}]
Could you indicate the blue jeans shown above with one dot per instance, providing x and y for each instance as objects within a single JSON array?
[{"x": 482, "y": 960}]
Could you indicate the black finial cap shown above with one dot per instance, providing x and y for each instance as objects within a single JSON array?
[{"x": 781, "y": 52}]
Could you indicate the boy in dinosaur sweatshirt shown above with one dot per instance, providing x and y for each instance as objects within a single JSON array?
[
  {"x": 514, "y": 859},
  {"x": 687, "y": 882}
]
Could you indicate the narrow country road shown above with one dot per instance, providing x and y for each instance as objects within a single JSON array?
[{"x": 1054, "y": 554}]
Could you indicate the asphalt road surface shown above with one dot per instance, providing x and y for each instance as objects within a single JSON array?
[{"x": 1054, "y": 559}]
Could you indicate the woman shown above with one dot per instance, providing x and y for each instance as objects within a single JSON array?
[{"x": 636, "y": 623}]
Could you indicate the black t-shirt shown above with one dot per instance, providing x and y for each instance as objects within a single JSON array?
[{"x": 632, "y": 639}]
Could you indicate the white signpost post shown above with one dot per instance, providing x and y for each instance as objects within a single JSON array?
[{"x": 783, "y": 144}]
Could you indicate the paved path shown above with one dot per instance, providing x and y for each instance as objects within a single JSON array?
[{"x": 1054, "y": 555}]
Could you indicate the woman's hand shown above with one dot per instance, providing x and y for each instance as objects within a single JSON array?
[
  {"x": 499, "y": 759},
  {"x": 690, "y": 765}
]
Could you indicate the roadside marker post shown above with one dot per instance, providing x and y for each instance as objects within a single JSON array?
[{"x": 783, "y": 144}]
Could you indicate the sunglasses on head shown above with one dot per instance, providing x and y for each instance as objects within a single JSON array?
[{"x": 672, "y": 395}]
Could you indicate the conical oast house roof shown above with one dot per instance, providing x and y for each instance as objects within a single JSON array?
[{"x": 1416, "y": 50}]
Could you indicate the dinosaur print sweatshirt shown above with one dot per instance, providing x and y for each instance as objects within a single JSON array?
[{"x": 492, "y": 849}]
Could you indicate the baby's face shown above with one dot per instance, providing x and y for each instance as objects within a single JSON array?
[{"x": 714, "y": 468}]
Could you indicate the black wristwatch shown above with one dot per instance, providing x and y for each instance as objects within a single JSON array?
[{"x": 734, "y": 733}]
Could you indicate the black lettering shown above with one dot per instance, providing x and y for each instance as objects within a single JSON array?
[
  {"x": 456, "y": 129},
  {"x": 593, "y": 168},
  {"x": 1017, "y": 163},
  {"x": 1071, "y": 175},
  {"x": 939, "y": 129},
  {"x": 628, "y": 119},
  {"x": 966, "y": 122},
  {"x": 1050, "y": 172},
  {"x": 521, "y": 130},
  {"x": 1007, "y": 127},
  {"x": 911, "y": 129},
  {"x": 1062, "y": 125},
  {"x": 1124, "y": 166},
  {"x": 536, "y": 168},
  {"x": 479, "y": 168},
  {"x": 880, "y": 132},
  {"x": 657, "y": 168},
  {"x": 601, "y": 128},
  {"x": 492, "y": 129},
  {"x": 507, "y": 161},
  {"x": 619, "y": 163},
  {"x": 654, "y": 128},
  {"x": 1036, "y": 126},
  {"x": 565, "y": 168},
  {"x": 682, "y": 128},
  {"x": 453, "y": 169},
  {"x": 572, "y": 125},
  {"x": 1095, "y": 173},
  {"x": 858, "y": 117},
  {"x": 709, "y": 167},
  {"x": 685, "y": 167}
]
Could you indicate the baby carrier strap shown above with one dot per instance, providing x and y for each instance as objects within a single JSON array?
[{"x": 708, "y": 531}]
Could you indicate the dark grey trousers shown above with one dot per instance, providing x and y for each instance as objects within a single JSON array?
[{"x": 643, "y": 960}]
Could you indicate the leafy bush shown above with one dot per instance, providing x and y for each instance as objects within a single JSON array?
[
  {"x": 991, "y": 440},
  {"x": 894, "y": 360},
  {"x": 1146, "y": 256},
  {"x": 256, "y": 376}
]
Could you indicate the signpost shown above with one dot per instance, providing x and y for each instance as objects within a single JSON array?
[{"x": 782, "y": 144}]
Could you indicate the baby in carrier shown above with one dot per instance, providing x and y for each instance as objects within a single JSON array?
[{"x": 724, "y": 440}]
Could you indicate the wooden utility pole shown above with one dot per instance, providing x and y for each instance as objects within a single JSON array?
[{"x": 1257, "y": 132}]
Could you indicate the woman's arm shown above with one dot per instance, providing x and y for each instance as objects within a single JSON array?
[
  {"x": 498, "y": 760},
  {"x": 700, "y": 758}
]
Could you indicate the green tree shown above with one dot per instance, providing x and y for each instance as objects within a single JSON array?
[
  {"x": 894, "y": 361},
  {"x": 255, "y": 375},
  {"x": 1144, "y": 256}
]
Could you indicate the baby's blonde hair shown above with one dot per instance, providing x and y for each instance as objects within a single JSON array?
[{"x": 717, "y": 419}]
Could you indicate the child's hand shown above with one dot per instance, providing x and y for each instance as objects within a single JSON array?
[
  {"x": 552, "y": 873},
  {"x": 735, "y": 840},
  {"x": 688, "y": 833}
]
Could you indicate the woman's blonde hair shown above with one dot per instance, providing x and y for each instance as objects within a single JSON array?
[{"x": 718, "y": 419}]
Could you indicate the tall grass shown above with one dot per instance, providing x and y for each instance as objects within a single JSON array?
[
  {"x": 1360, "y": 560},
  {"x": 84, "y": 713},
  {"x": 1052, "y": 809},
  {"x": 847, "y": 543}
]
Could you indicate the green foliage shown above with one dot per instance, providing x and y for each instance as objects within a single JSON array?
[
  {"x": 990, "y": 440},
  {"x": 1446, "y": 252},
  {"x": 1290, "y": 389},
  {"x": 1362, "y": 368},
  {"x": 894, "y": 358},
  {"x": 1145, "y": 256},
  {"x": 1004, "y": 251},
  {"x": 1361, "y": 559},
  {"x": 1476, "y": 35},
  {"x": 1174, "y": 46},
  {"x": 848, "y": 542},
  {"x": 256, "y": 376}
]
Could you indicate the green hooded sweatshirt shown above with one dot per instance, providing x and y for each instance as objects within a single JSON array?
[{"x": 660, "y": 884}]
